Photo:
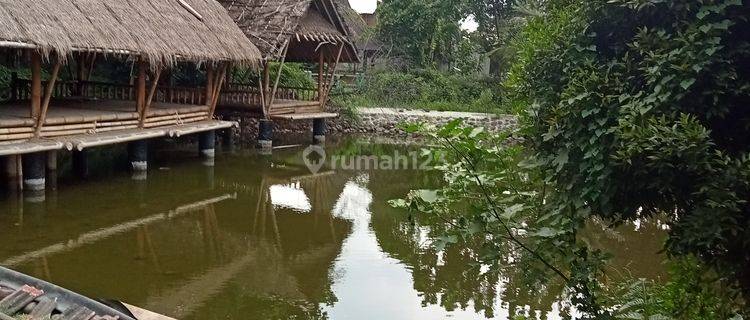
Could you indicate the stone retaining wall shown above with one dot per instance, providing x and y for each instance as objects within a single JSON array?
[{"x": 377, "y": 121}]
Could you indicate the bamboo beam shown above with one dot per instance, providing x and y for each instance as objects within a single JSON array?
[
  {"x": 36, "y": 85},
  {"x": 278, "y": 76},
  {"x": 221, "y": 77},
  {"x": 47, "y": 97},
  {"x": 152, "y": 92},
  {"x": 190, "y": 9}
]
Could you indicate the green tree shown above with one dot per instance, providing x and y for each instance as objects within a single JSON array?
[
  {"x": 424, "y": 31},
  {"x": 497, "y": 22}
]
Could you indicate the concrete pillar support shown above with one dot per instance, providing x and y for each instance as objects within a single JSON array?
[
  {"x": 319, "y": 131},
  {"x": 207, "y": 144},
  {"x": 265, "y": 135},
  {"x": 138, "y": 155},
  {"x": 34, "y": 171}
]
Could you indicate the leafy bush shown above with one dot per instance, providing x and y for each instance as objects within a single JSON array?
[
  {"x": 393, "y": 87},
  {"x": 639, "y": 107},
  {"x": 689, "y": 294},
  {"x": 293, "y": 75},
  {"x": 428, "y": 89}
]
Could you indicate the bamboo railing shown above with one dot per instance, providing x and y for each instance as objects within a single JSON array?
[
  {"x": 110, "y": 91},
  {"x": 74, "y": 121},
  {"x": 236, "y": 94},
  {"x": 233, "y": 94}
]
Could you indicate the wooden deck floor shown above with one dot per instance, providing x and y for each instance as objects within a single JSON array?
[
  {"x": 287, "y": 109},
  {"x": 70, "y": 117},
  {"x": 90, "y": 140}
]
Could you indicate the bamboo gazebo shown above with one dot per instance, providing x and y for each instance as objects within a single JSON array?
[
  {"x": 53, "y": 109},
  {"x": 308, "y": 31}
]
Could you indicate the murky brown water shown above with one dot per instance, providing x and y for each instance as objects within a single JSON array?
[{"x": 257, "y": 237}]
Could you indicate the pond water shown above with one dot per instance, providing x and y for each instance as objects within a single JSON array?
[{"x": 261, "y": 237}]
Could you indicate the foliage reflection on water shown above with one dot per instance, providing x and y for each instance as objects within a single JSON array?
[{"x": 255, "y": 237}]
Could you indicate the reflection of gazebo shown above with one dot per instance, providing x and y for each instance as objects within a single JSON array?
[
  {"x": 111, "y": 231},
  {"x": 310, "y": 31}
]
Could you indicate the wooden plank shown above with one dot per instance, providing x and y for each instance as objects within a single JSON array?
[
  {"x": 143, "y": 314},
  {"x": 200, "y": 127},
  {"x": 307, "y": 116},
  {"x": 43, "y": 310},
  {"x": 19, "y": 299}
]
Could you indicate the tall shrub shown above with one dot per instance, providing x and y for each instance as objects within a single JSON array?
[{"x": 640, "y": 107}]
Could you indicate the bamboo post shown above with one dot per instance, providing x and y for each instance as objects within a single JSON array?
[
  {"x": 266, "y": 77},
  {"x": 36, "y": 85},
  {"x": 47, "y": 97},
  {"x": 261, "y": 89},
  {"x": 140, "y": 92},
  {"x": 321, "y": 63},
  {"x": 209, "y": 84},
  {"x": 152, "y": 92},
  {"x": 278, "y": 76}
]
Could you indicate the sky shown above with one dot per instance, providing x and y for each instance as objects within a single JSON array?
[
  {"x": 363, "y": 6},
  {"x": 368, "y": 6}
]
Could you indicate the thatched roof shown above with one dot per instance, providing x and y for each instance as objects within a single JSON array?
[
  {"x": 160, "y": 30},
  {"x": 305, "y": 24},
  {"x": 352, "y": 20}
]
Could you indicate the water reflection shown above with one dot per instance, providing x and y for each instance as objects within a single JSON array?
[
  {"x": 369, "y": 283},
  {"x": 257, "y": 237}
]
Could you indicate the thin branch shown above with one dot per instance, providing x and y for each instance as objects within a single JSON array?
[{"x": 493, "y": 207}]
